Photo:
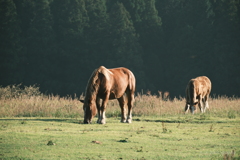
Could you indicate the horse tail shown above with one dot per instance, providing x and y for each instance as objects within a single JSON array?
[
  {"x": 132, "y": 81},
  {"x": 208, "y": 83}
]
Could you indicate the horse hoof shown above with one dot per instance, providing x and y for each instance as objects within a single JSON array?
[
  {"x": 86, "y": 122},
  {"x": 102, "y": 122},
  {"x": 129, "y": 121}
]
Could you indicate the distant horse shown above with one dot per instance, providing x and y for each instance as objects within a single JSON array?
[
  {"x": 197, "y": 93},
  {"x": 107, "y": 84}
]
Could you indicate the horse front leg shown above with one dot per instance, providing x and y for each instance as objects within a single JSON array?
[
  {"x": 98, "y": 102},
  {"x": 205, "y": 102},
  {"x": 103, "y": 110},
  {"x": 200, "y": 104}
]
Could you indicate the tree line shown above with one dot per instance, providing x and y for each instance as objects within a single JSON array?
[{"x": 57, "y": 44}]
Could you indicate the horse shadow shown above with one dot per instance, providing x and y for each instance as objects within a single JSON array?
[{"x": 60, "y": 120}]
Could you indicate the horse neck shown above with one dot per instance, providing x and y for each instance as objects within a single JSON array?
[
  {"x": 92, "y": 91},
  {"x": 192, "y": 92}
]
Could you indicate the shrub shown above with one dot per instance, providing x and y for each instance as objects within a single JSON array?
[{"x": 17, "y": 91}]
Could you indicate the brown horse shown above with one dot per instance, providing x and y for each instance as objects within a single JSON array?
[
  {"x": 106, "y": 84},
  {"x": 197, "y": 93}
]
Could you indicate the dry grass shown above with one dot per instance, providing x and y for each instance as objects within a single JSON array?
[
  {"x": 20, "y": 102},
  {"x": 42, "y": 106},
  {"x": 152, "y": 105},
  {"x": 29, "y": 102}
]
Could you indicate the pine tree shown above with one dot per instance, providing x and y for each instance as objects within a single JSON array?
[
  {"x": 9, "y": 38},
  {"x": 148, "y": 25},
  {"x": 38, "y": 45},
  {"x": 226, "y": 45},
  {"x": 125, "y": 48},
  {"x": 188, "y": 39},
  {"x": 97, "y": 33},
  {"x": 70, "y": 21}
]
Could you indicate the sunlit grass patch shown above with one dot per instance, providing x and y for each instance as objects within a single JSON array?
[{"x": 54, "y": 138}]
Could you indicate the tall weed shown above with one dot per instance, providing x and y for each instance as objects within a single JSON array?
[{"x": 18, "y": 101}]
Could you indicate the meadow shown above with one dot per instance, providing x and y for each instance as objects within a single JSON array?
[{"x": 38, "y": 126}]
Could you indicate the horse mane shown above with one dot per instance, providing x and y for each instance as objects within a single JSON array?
[
  {"x": 191, "y": 90},
  {"x": 92, "y": 85},
  {"x": 105, "y": 72}
]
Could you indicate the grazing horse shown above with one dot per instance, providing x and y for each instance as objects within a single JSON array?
[
  {"x": 197, "y": 93},
  {"x": 106, "y": 84}
]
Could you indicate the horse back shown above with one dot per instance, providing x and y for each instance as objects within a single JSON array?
[
  {"x": 116, "y": 81},
  {"x": 204, "y": 85},
  {"x": 200, "y": 86},
  {"x": 123, "y": 78}
]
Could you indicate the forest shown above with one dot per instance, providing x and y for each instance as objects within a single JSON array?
[{"x": 57, "y": 44}]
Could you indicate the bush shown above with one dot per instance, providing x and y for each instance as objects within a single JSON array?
[{"x": 17, "y": 91}]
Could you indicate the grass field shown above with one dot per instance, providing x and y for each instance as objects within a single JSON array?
[
  {"x": 36, "y": 126},
  {"x": 145, "y": 138}
]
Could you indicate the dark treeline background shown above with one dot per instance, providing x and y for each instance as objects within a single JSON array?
[{"x": 57, "y": 44}]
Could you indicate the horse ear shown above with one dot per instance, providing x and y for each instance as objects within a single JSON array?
[{"x": 81, "y": 100}]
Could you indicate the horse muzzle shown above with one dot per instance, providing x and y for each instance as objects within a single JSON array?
[
  {"x": 192, "y": 108},
  {"x": 87, "y": 122}
]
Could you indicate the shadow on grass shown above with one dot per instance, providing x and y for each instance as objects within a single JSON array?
[
  {"x": 190, "y": 120},
  {"x": 66, "y": 120},
  {"x": 181, "y": 119}
]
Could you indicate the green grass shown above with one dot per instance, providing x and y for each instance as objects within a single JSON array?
[
  {"x": 37, "y": 126},
  {"x": 146, "y": 138}
]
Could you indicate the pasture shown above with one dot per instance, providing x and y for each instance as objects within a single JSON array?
[
  {"x": 36, "y": 126},
  {"x": 146, "y": 138}
]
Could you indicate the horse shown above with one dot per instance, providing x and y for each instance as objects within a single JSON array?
[
  {"x": 107, "y": 84},
  {"x": 197, "y": 93}
]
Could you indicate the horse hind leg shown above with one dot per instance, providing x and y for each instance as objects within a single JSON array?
[
  {"x": 203, "y": 106},
  {"x": 122, "y": 102},
  {"x": 200, "y": 104},
  {"x": 130, "y": 106},
  {"x": 205, "y": 103}
]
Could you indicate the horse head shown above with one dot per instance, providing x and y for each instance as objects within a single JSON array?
[
  {"x": 90, "y": 110},
  {"x": 193, "y": 107}
]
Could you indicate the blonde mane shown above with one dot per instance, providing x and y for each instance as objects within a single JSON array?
[
  {"x": 92, "y": 86},
  {"x": 105, "y": 72}
]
